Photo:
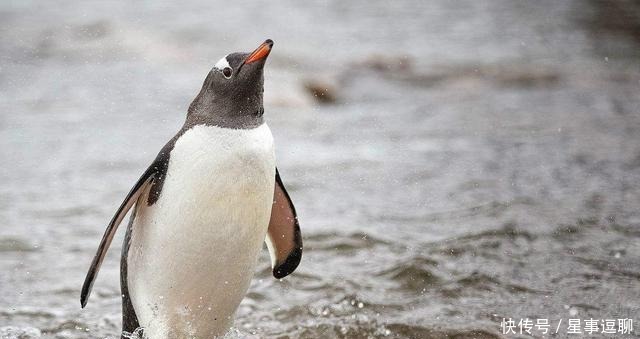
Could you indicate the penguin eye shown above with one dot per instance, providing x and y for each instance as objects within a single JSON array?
[{"x": 227, "y": 72}]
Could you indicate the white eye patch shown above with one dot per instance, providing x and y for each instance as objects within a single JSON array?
[{"x": 222, "y": 64}]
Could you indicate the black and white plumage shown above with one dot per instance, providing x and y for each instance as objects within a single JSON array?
[{"x": 202, "y": 210}]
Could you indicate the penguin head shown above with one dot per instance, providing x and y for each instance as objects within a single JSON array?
[{"x": 231, "y": 95}]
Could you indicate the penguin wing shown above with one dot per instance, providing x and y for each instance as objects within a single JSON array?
[
  {"x": 284, "y": 239},
  {"x": 136, "y": 192}
]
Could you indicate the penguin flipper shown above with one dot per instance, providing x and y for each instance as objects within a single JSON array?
[
  {"x": 284, "y": 239},
  {"x": 138, "y": 189}
]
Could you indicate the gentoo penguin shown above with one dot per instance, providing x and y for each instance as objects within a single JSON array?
[{"x": 201, "y": 212}]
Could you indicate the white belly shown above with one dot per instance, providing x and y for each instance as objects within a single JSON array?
[{"x": 193, "y": 252}]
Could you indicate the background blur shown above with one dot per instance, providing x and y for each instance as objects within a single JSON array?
[{"x": 452, "y": 164}]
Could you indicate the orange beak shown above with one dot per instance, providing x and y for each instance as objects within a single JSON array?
[{"x": 261, "y": 52}]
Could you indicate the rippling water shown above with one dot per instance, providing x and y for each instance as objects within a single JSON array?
[{"x": 481, "y": 160}]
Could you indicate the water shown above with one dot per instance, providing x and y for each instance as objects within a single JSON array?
[{"x": 481, "y": 160}]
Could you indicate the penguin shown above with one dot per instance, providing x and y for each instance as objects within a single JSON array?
[{"x": 201, "y": 211}]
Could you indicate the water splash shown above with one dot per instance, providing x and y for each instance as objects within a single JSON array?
[
  {"x": 13, "y": 332},
  {"x": 138, "y": 333}
]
